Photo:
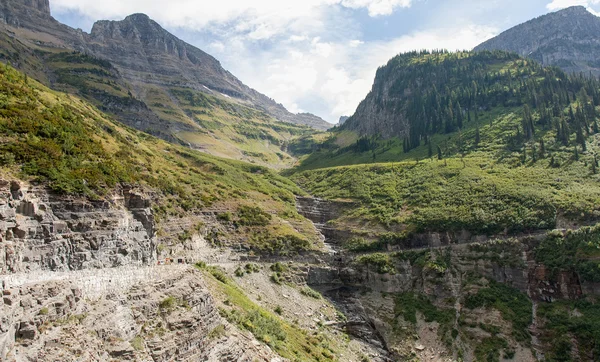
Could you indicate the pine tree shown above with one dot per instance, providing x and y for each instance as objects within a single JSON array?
[
  {"x": 439, "y": 153},
  {"x": 542, "y": 149},
  {"x": 459, "y": 115},
  {"x": 576, "y": 154}
]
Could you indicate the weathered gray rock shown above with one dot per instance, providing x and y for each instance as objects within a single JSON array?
[
  {"x": 50, "y": 322},
  {"x": 569, "y": 39},
  {"x": 40, "y": 230}
]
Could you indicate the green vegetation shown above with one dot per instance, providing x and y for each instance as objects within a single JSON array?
[
  {"x": 168, "y": 304},
  {"x": 564, "y": 321},
  {"x": 489, "y": 349},
  {"x": 217, "y": 332},
  {"x": 577, "y": 251},
  {"x": 380, "y": 262},
  {"x": 506, "y": 128},
  {"x": 408, "y": 304},
  {"x": 474, "y": 193},
  {"x": 66, "y": 143},
  {"x": 137, "y": 343},
  {"x": 514, "y": 306},
  {"x": 286, "y": 339},
  {"x": 253, "y": 216},
  {"x": 503, "y": 252},
  {"x": 310, "y": 292}
]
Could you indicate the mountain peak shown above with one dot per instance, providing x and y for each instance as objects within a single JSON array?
[
  {"x": 138, "y": 17},
  {"x": 577, "y": 9},
  {"x": 567, "y": 38}
]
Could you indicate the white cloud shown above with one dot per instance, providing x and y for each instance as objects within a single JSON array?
[
  {"x": 561, "y": 4},
  {"x": 263, "y": 17},
  {"x": 377, "y": 7},
  {"x": 313, "y": 71}
]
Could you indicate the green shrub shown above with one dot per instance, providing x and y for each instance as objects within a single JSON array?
[
  {"x": 279, "y": 268},
  {"x": 382, "y": 263},
  {"x": 253, "y": 216},
  {"x": 489, "y": 349},
  {"x": 217, "y": 332},
  {"x": 225, "y": 217},
  {"x": 577, "y": 251},
  {"x": 276, "y": 278},
  {"x": 219, "y": 275},
  {"x": 239, "y": 272},
  {"x": 168, "y": 304},
  {"x": 252, "y": 268},
  {"x": 137, "y": 343},
  {"x": 408, "y": 304},
  {"x": 514, "y": 306},
  {"x": 309, "y": 292}
]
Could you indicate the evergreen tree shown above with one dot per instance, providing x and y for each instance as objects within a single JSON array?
[
  {"x": 542, "y": 149},
  {"x": 576, "y": 154},
  {"x": 439, "y": 153}
]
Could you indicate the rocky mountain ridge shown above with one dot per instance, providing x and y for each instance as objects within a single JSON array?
[
  {"x": 150, "y": 80},
  {"x": 569, "y": 39}
]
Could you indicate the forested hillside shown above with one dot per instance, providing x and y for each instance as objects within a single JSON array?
[{"x": 486, "y": 142}]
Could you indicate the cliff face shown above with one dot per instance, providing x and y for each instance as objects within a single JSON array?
[
  {"x": 118, "y": 314},
  {"x": 43, "y": 231},
  {"x": 569, "y": 39}
]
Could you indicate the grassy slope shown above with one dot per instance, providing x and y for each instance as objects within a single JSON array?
[
  {"x": 489, "y": 187},
  {"x": 65, "y": 142},
  {"x": 209, "y": 121}
]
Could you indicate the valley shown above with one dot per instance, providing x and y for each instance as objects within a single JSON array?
[{"x": 155, "y": 208}]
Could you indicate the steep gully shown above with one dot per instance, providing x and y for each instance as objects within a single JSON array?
[{"x": 342, "y": 282}]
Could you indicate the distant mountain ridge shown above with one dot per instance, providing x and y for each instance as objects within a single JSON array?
[
  {"x": 149, "y": 79},
  {"x": 569, "y": 39}
]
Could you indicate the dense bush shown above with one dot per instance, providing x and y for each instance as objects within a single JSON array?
[
  {"x": 577, "y": 251},
  {"x": 514, "y": 306}
]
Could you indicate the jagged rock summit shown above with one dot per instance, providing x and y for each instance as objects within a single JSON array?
[
  {"x": 569, "y": 39},
  {"x": 140, "y": 43},
  {"x": 145, "y": 56}
]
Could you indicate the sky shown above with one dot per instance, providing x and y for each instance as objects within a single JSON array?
[{"x": 317, "y": 56}]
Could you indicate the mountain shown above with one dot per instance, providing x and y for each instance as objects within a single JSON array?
[
  {"x": 454, "y": 217},
  {"x": 569, "y": 39},
  {"x": 92, "y": 212},
  {"x": 445, "y": 189},
  {"x": 150, "y": 80}
]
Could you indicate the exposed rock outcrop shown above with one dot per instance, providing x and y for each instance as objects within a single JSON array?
[
  {"x": 167, "y": 316},
  {"x": 569, "y": 39},
  {"x": 40, "y": 230}
]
